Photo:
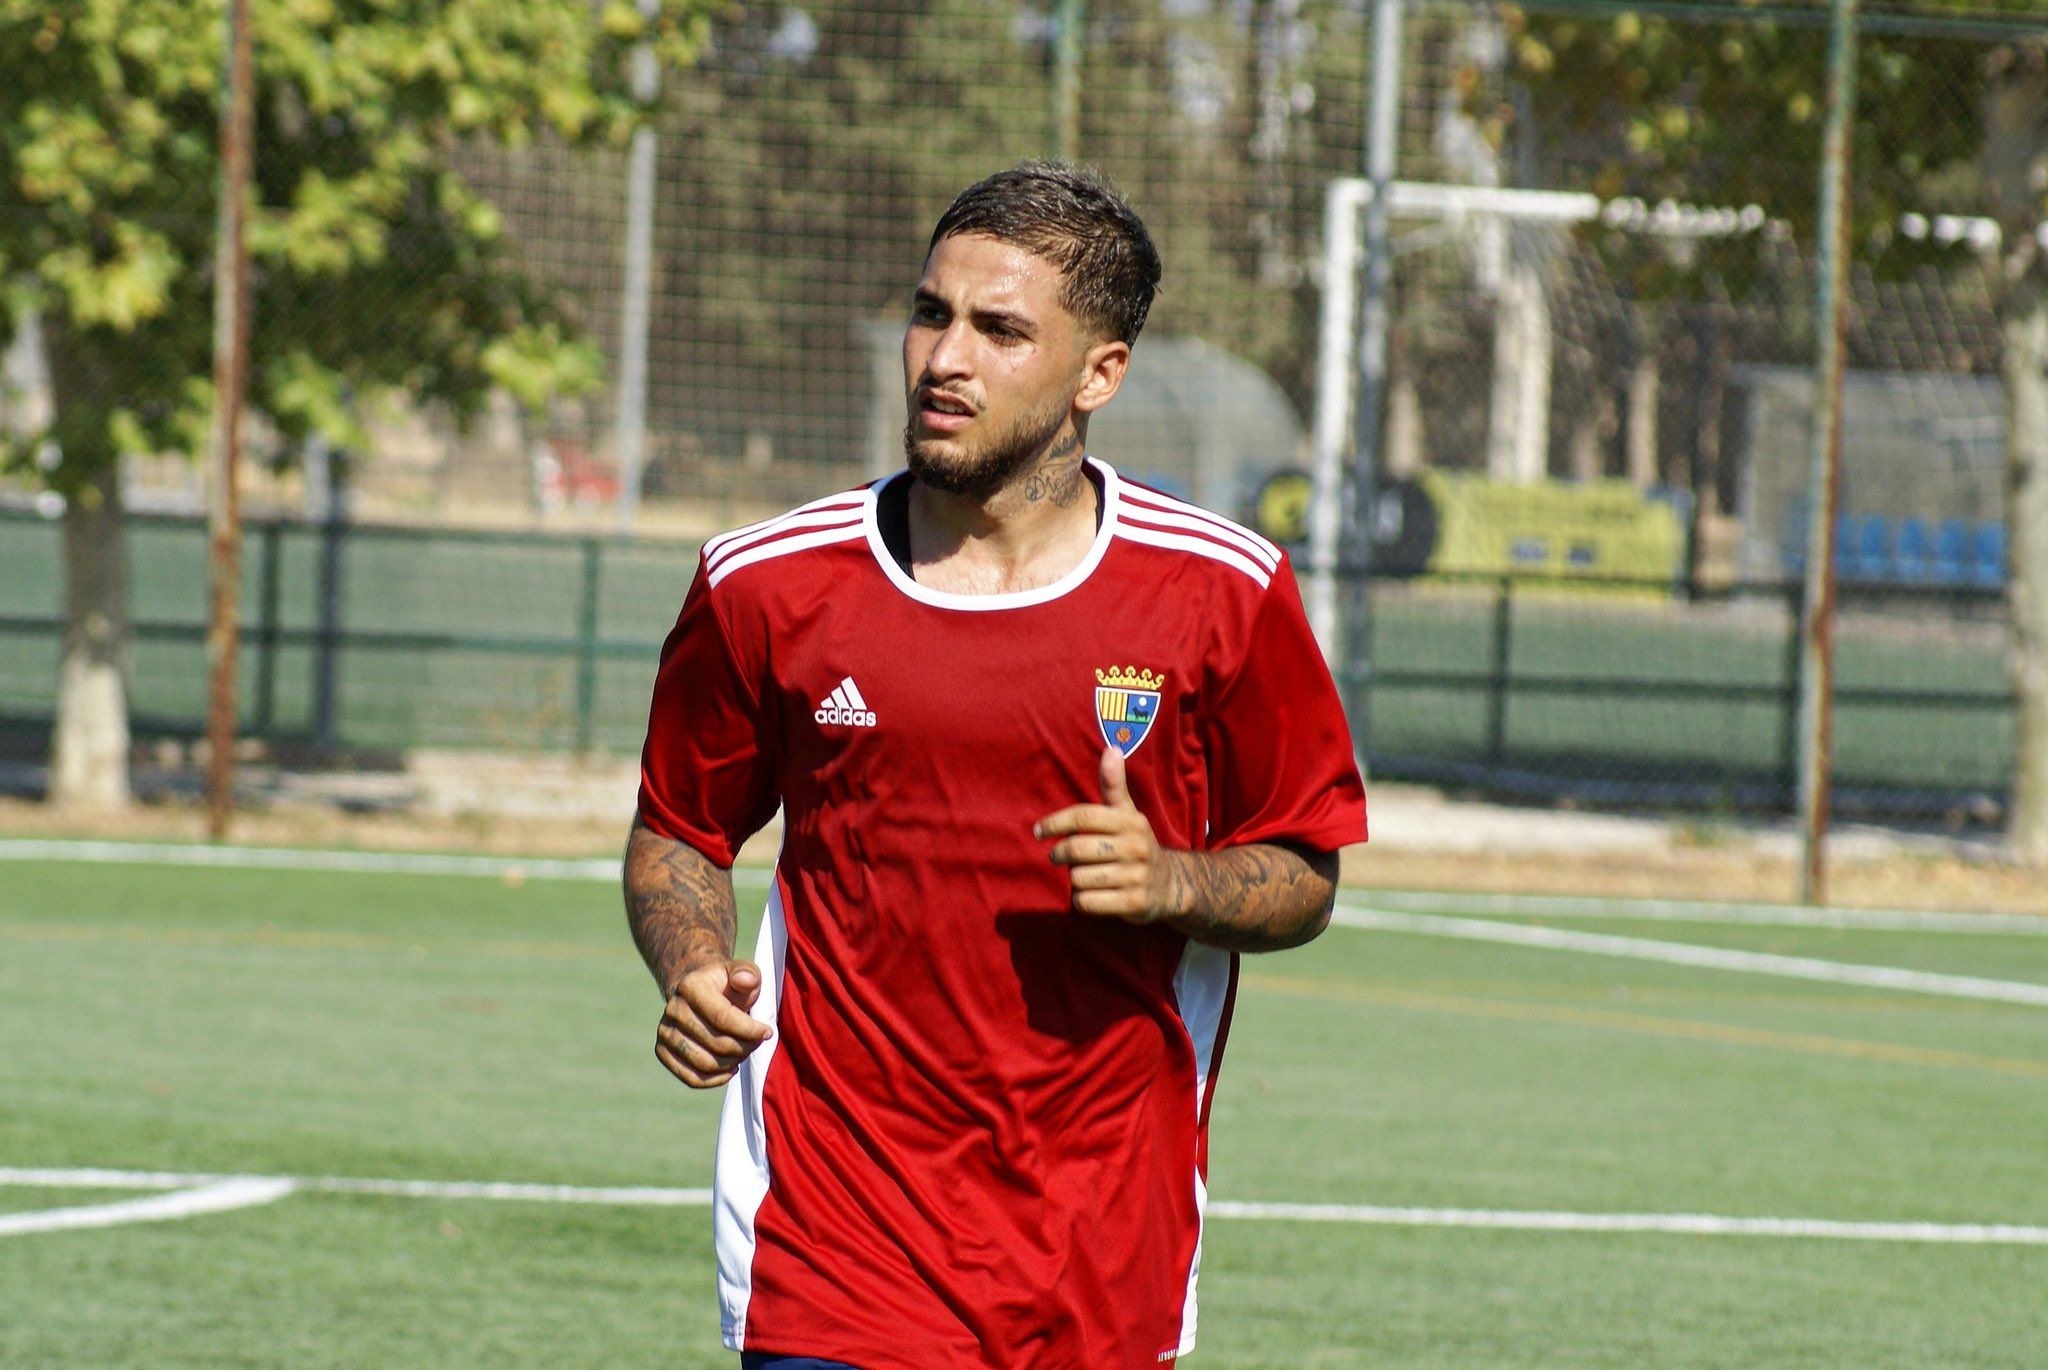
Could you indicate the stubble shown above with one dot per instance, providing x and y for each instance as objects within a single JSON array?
[{"x": 1006, "y": 456}]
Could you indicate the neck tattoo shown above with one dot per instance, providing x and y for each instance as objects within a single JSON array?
[{"x": 1057, "y": 477}]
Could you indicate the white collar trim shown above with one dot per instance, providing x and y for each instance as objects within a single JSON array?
[{"x": 1019, "y": 599}]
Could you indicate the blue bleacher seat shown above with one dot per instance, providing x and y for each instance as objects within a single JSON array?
[
  {"x": 1913, "y": 553},
  {"x": 1987, "y": 560},
  {"x": 1951, "y": 552},
  {"x": 1863, "y": 547}
]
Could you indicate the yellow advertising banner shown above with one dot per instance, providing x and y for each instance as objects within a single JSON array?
[{"x": 1598, "y": 530}]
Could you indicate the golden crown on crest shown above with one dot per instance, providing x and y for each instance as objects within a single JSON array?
[{"x": 1129, "y": 678}]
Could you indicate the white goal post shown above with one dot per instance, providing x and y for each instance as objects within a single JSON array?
[{"x": 1487, "y": 209}]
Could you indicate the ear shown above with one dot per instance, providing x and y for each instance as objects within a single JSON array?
[{"x": 1102, "y": 373}]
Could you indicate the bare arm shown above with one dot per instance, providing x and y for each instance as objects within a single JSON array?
[
  {"x": 680, "y": 907},
  {"x": 1258, "y": 897}
]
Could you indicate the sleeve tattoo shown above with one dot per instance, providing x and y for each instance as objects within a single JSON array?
[
  {"x": 1258, "y": 897},
  {"x": 679, "y": 905}
]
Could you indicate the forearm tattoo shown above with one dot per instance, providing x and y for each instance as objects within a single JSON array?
[
  {"x": 1261, "y": 897},
  {"x": 1057, "y": 477},
  {"x": 679, "y": 905}
]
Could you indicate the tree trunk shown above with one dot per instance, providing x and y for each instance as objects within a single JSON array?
[
  {"x": 1518, "y": 420},
  {"x": 1592, "y": 432},
  {"x": 1644, "y": 467},
  {"x": 2015, "y": 176},
  {"x": 89, "y": 752},
  {"x": 1403, "y": 443},
  {"x": 2026, "y": 391}
]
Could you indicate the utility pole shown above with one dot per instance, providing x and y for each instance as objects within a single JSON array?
[
  {"x": 1382, "y": 148},
  {"x": 1824, "y": 461},
  {"x": 1068, "y": 18},
  {"x": 629, "y": 426},
  {"x": 230, "y": 380}
]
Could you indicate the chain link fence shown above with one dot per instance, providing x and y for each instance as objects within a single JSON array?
[{"x": 1657, "y": 339}]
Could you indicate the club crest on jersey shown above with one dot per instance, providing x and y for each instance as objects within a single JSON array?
[{"x": 1126, "y": 704}]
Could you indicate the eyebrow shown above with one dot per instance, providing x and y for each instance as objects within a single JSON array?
[{"x": 1008, "y": 318}]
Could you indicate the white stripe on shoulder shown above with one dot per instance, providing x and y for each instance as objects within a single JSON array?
[
  {"x": 850, "y": 499},
  {"x": 1248, "y": 543},
  {"x": 788, "y": 523},
  {"x": 1200, "y": 546},
  {"x": 1152, "y": 499},
  {"x": 782, "y": 547}
]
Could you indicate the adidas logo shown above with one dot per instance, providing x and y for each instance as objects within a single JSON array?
[{"x": 844, "y": 705}]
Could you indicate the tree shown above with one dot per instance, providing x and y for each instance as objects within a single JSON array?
[
  {"x": 375, "y": 268},
  {"x": 1733, "y": 112},
  {"x": 804, "y": 166}
]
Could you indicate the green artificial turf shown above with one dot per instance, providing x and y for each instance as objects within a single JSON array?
[{"x": 465, "y": 1028}]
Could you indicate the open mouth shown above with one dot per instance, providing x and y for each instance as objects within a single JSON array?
[{"x": 942, "y": 413}]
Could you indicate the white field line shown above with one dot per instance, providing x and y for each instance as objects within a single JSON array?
[
  {"x": 1703, "y": 1224},
  {"x": 1349, "y": 913},
  {"x": 629, "y": 1195},
  {"x": 1702, "y": 911},
  {"x": 606, "y": 870},
  {"x": 1354, "y": 915},
  {"x": 300, "y": 859},
  {"x": 221, "y": 1195}
]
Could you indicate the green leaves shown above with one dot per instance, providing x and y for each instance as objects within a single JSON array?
[
  {"x": 536, "y": 363},
  {"x": 120, "y": 288},
  {"x": 1731, "y": 114},
  {"x": 375, "y": 268}
]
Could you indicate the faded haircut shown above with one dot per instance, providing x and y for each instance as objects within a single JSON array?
[{"x": 1074, "y": 218}]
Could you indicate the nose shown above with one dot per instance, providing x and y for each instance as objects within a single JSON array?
[{"x": 950, "y": 355}]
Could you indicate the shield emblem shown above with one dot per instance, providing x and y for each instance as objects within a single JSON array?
[{"x": 1125, "y": 714}]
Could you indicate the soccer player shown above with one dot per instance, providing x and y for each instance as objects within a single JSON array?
[{"x": 1051, "y": 749}]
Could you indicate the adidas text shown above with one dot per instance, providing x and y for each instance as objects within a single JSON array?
[{"x": 856, "y": 718}]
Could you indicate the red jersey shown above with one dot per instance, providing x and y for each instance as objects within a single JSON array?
[{"x": 979, "y": 1134}]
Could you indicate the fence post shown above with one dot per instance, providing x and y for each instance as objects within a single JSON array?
[
  {"x": 1788, "y": 724},
  {"x": 327, "y": 654},
  {"x": 267, "y": 628},
  {"x": 586, "y": 645},
  {"x": 1497, "y": 689}
]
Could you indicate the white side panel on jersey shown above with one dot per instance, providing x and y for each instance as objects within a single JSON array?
[
  {"x": 1201, "y": 988},
  {"x": 739, "y": 1177}
]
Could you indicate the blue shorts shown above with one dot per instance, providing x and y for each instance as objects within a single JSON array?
[{"x": 768, "y": 1360}]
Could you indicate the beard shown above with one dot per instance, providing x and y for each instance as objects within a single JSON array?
[{"x": 985, "y": 468}]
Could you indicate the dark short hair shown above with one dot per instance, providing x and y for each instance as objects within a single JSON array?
[{"x": 1075, "y": 219}]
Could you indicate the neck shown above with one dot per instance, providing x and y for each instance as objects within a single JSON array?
[{"x": 1029, "y": 533}]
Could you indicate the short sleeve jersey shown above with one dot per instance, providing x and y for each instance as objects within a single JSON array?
[{"x": 978, "y": 1136}]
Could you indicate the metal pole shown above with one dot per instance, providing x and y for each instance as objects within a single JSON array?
[
  {"x": 1333, "y": 410},
  {"x": 586, "y": 646},
  {"x": 272, "y": 591},
  {"x": 1497, "y": 688},
  {"x": 1824, "y": 460},
  {"x": 1382, "y": 144},
  {"x": 1069, "y": 16},
  {"x": 630, "y": 423},
  {"x": 327, "y": 637},
  {"x": 230, "y": 376}
]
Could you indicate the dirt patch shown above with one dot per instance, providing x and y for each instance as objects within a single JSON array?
[
  {"x": 1671, "y": 870},
  {"x": 1893, "y": 882},
  {"x": 321, "y": 826},
  {"x": 1423, "y": 839}
]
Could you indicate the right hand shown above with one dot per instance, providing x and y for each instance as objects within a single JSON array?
[{"x": 706, "y": 1030}]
